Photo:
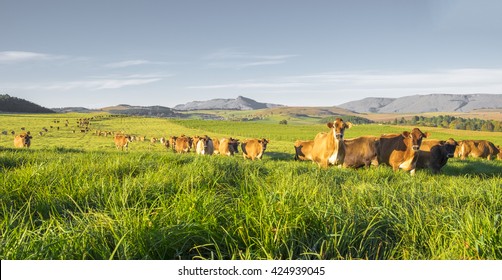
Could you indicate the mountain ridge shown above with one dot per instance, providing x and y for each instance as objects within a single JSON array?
[
  {"x": 239, "y": 103},
  {"x": 425, "y": 103}
]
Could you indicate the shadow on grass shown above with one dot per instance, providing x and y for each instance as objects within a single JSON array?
[{"x": 479, "y": 168}]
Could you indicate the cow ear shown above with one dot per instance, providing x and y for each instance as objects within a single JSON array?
[
  {"x": 427, "y": 134},
  {"x": 406, "y": 134},
  {"x": 330, "y": 125}
]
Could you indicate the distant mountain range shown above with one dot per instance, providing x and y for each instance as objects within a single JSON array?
[
  {"x": 9, "y": 104},
  {"x": 239, "y": 103},
  {"x": 426, "y": 103}
]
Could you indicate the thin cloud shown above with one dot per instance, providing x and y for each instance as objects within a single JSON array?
[
  {"x": 127, "y": 63},
  {"x": 93, "y": 84},
  {"x": 232, "y": 59},
  {"x": 22, "y": 56},
  {"x": 453, "y": 80}
]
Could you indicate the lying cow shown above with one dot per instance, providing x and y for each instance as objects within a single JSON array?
[
  {"x": 434, "y": 154},
  {"x": 254, "y": 148},
  {"x": 22, "y": 140},
  {"x": 122, "y": 141},
  {"x": 361, "y": 151},
  {"x": 303, "y": 149},
  {"x": 329, "y": 148},
  {"x": 401, "y": 151},
  {"x": 477, "y": 149}
]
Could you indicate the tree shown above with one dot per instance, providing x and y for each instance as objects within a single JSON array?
[{"x": 283, "y": 122}]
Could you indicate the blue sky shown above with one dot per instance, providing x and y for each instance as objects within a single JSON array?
[{"x": 97, "y": 53}]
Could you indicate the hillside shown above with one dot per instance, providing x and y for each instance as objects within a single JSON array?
[
  {"x": 426, "y": 103},
  {"x": 9, "y": 104},
  {"x": 239, "y": 103},
  {"x": 155, "y": 111}
]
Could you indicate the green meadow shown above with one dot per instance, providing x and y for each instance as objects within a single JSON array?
[{"x": 73, "y": 195}]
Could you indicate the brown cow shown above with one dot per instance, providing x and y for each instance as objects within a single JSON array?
[
  {"x": 361, "y": 151},
  {"x": 329, "y": 148},
  {"x": 303, "y": 149},
  {"x": 182, "y": 144},
  {"x": 477, "y": 148},
  {"x": 216, "y": 145},
  {"x": 434, "y": 154},
  {"x": 204, "y": 146},
  {"x": 22, "y": 140},
  {"x": 122, "y": 141},
  {"x": 228, "y": 146},
  {"x": 254, "y": 148},
  {"x": 401, "y": 151},
  {"x": 172, "y": 142},
  {"x": 499, "y": 155}
]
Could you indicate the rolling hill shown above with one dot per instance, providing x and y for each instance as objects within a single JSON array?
[{"x": 10, "y": 104}]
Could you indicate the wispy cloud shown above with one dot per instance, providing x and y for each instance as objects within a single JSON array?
[
  {"x": 467, "y": 80},
  {"x": 128, "y": 63},
  {"x": 228, "y": 58},
  {"x": 22, "y": 56},
  {"x": 95, "y": 83}
]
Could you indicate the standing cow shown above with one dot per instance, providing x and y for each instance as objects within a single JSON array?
[
  {"x": 401, "y": 151},
  {"x": 204, "y": 146},
  {"x": 329, "y": 148},
  {"x": 122, "y": 141},
  {"x": 22, "y": 140},
  {"x": 254, "y": 148},
  {"x": 228, "y": 146}
]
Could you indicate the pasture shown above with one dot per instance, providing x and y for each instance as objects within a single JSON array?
[{"x": 73, "y": 195}]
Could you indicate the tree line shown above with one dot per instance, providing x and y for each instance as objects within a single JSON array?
[{"x": 451, "y": 122}]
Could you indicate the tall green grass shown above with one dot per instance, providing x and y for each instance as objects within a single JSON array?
[{"x": 80, "y": 198}]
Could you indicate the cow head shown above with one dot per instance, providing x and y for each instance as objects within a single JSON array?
[
  {"x": 450, "y": 145},
  {"x": 339, "y": 127},
  {"x": 264, "y": 143},
  {"x": 26, "y": 139},
  {"x": 416, "y": 137}
]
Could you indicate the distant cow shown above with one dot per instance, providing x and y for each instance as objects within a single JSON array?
[
  {"x": 22, "y": 140},
  {"x": 303, "y": 149},
  {"x": 182, "y": 144},
  {"x": 172, "y": 142},
  {"x": 329, "y": 148},
  {"x": 122, "y": 141},
  {"x": 204, "y": 146},
  {"x": 434, "y": 154},
  {"x": 361, "y": 151},
  {"x": 254, "y": 148},
  {"x": 499, "y": 155},
  {"x": 477, "y": 149},
  {"x": 228, "y": 146},
  {"x": 401, "y": 151}
]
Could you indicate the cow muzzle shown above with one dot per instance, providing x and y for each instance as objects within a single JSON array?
[
  {"x": 339, "y": 136},
  {"x": 415, "y": 147}
]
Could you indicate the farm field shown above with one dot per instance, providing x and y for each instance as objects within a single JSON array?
[{"x": 73, "y": 195}]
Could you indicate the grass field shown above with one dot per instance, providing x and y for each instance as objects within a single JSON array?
[{"x": 74, "y": 196}]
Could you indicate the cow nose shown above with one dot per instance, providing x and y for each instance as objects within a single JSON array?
[
  {"x": 339, "y": 136},
  {"x": 415, "y": 147}
]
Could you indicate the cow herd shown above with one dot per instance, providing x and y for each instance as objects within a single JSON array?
[
  {"x": 203, "y": 145},
  {"x": 407, "y": 151}
]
